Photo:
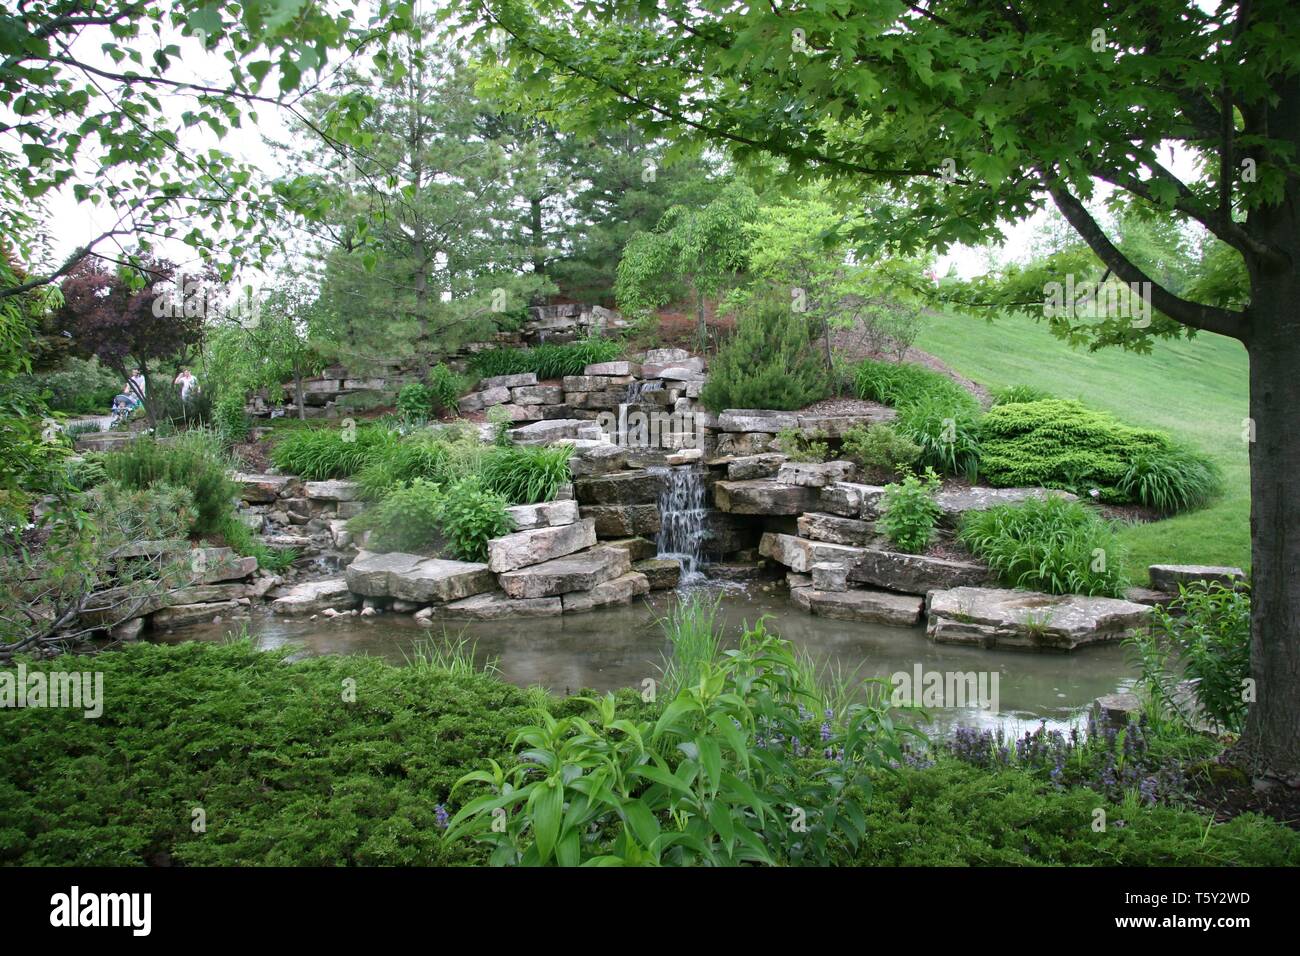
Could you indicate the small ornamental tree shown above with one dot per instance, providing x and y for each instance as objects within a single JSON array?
[{"x": 113, "y": 318}]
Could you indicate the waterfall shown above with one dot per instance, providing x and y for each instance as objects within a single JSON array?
[
  {"x": 681, "y": 519},
  {"x": 637, "y": 389}
]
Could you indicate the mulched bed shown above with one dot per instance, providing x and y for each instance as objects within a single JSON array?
[{"x": 1227, "y": 791}]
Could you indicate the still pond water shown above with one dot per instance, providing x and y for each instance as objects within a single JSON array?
[{"x": 621, "y": 647}]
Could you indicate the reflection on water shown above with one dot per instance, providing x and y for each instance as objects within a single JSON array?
[{"x": 621, "y": 647}]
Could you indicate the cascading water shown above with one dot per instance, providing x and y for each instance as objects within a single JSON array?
[
  {"x": 634, "y": 393},
  {"x": 681, "y": 519}
]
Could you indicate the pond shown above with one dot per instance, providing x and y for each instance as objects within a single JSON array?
[{"x": 623, "y": 646}]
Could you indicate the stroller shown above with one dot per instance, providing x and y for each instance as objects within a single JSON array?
[{"x": 123, "y": 406}]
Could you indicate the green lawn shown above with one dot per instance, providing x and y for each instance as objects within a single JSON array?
[{"x": 1196, "y": 390}]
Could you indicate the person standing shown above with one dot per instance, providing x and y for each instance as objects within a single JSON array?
[
  {"x": 136, "y": 386},
  {"x": 188, "y": 384}
]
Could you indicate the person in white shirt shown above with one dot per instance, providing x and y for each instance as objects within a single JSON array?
[{"x": 188, "y": 384}]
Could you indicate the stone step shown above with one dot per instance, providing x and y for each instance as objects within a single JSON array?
[
  {"x": 1167, "y": 577},
  {"x": 814, "y": 474},
  {"x": 748, "y": 420},
  {"x": 495, "y": 606},
  {"x": 548, "y": 514},
  {"x": 334, "y": 490},
  {"x": 870, "y": 606},
  {"x": 412, "y": 577},
  {"x": 748, "y": 467},
  {"x": 574, "y": 572},
  {"x": 1001, "y": 617},
  {"x": 621, "y": 590},
  {"x": 819, "y": 526},
  {"x": 763, "y": 496},
  {"x": 916, "y": 573},
  {"x": 525, "y": 548},
  {"x": 312, "y": 597},
  {"x": 800, "y": 554}
]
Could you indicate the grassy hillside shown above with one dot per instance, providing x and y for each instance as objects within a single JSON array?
[{"x": 1195, "y": 389}]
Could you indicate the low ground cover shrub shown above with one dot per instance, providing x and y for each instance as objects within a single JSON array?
[
  {"x": 1058, "y": 443},
  {"x": 909, "y": 513},
  {"x": 1202, "y": 636},
  {"x": 546, "y": 360},
  {"x": 192, "y": 459},
  {"x": 771, "y": 361},
  {"x": 159, "y": 512},
  {"x": 335, "y": 451},
  {"x": 879, "y": 451},
  {"x": 1050, "y": 544}
]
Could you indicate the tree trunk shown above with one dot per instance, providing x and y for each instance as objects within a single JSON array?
[
  {"x": 539, "y": 249},
  {"x": 297, "y": 394},
  {"x": 1271, "y": 741},
  {"x": 702, "y": 329}
]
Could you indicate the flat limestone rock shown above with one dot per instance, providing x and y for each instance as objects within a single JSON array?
[
  {"x": 835, "y": 529},
  {"x": 183, "y": 615},
  {"x": 955, "y": 502},
  {"x": 1002, "y": 617},
  {"x": 525, "y": 548},
  {"x": 574, "y": 572},
  {"x": 851, "y": 500},
  {"x": 1167, "y": 577},
  {"x": 632, "y": 487},
  {"x": 208, "y": 593},
  {"x": 332, "y": 490},
  {"x": 509, "y": 381},
  {"x": 800, "y": 554},
  {"x": 835, "y": 426},
  {"x": 916, "y": 573},
  {"x": 537, "y": 395},
  {"x": 612, "y": 368},
  {"x": 548, "y": 514},
  {"x": 312, "y": 597},
  {"x": 637, "y": 548},
  {"x": 412, "y": 577},
  {"x": 748, "y": 467},
  {"x": 556, "y": 429},
  {"x": 664, "y": 574},
  {"x": 870, "y": 606},
  {"x": 616, "y": 521},
  {"x": 763, "y": 496},
  {"x": 262, "y": 489},
  {"x": 814, "y": 474},
  {"x": 496, "y": 606},
  {"x": 621, "y": 590},
  {"x": 756, "y": 420}
]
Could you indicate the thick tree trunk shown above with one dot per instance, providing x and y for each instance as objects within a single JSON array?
[
  {"x": 702, "y": 329},
  {"x": 539, "y": 246},
  {"x": 1271, "y": 741}
]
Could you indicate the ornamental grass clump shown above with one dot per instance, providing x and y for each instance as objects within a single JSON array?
[{"x": 319, "y": 454}]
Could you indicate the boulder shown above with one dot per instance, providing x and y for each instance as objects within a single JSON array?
[
  {"x": 612, "y": 368},
  {"x": 496, "y": 606},
  {"x": 127, "y": 630},
  {"x": 954, "y": 502},
  {"x": 1117, "y": 710},
  {"x": 332, "y": 490},
  {"x": 638, "y": 549},
  {"x": 262, "y": 489},
  {"x": 916, "y": 573},
  {"x": 526, "y": 548},
  {"x": 748, "y": 467},
  {"x": 763, "y": 496},
  {"x": 756, "y": 420},
  {"x": 663, "y": 574},
  {"x": 508, "y": 381},
  {"x": 412, "y": 577},
  {"x": 184, "y": 615},
  {"x": 596, "y": 457},
  {"x": 220, "y": 564},
  {"x": 548, "y": 514},
  {"x": 559, "y": 429},
  {"x": 800, "y": 554},
  {"x": 621, "y": 590},
  {"x": 851, "y": 500},
  {"x": 312, "y": 597},
  {"x": 823, "y": 527},
  {"x": 574, "y": 572},
  {"x": 814, "y": 474},
  {"x": 676, "y": 369},
  {"x": 869, "y": 606},
  {"x": 829, "y": 576},
  {"x": 209, "y": 593},
  {"x": 1167, "y": 577},
  {"x": 595, "y": 383},
  {"x": 691, "y": 372},
  {"x": 616, "y": 521},
  {"x": 1000, "y": 617},
  {"x": 537, "y": 395},
  {"x": 620, "y": 488},
  {"x": 743, "y": 444}
]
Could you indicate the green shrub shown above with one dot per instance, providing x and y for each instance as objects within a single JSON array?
[
  {"x": 1019, "y": 394},
  {"x": 500, "y": 421},
  {"x": 908, "y": 512},
  {"x": 445, "y": 389},
  {"x": 1063, "y": 444},
  {"x": 1048, "y": 544},
  {"x": 797, "y": 446},
  {"x": 193, "y": 459},
  {"x": 709, "y": 783},
  {"x": 471, "y": 516},
  {"x": 934, "y": 412},
  {"x": 771, "y": 361},
  {"x": 901, "y": 385},
  {"x": 241, "y": 539},
  {"x": 880, "y": 451},
  {"x": 1171, "y": 479},
  {"x": 546, "y": 360},
  {"x": 415, "y": 402},
  {"x": 527, "y": 474},
  {"x": 318, "y": 454},
  {"x": 86, "y": 472},
  {"x": 408, "y": 519},
  {"x": 159, "y": 512},
  {"x": 426, "y": 455},
  {"x": 1204, "y": 636},
  {"x": 78, "y": 387},
  {"x": 228, "y": 418}
]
